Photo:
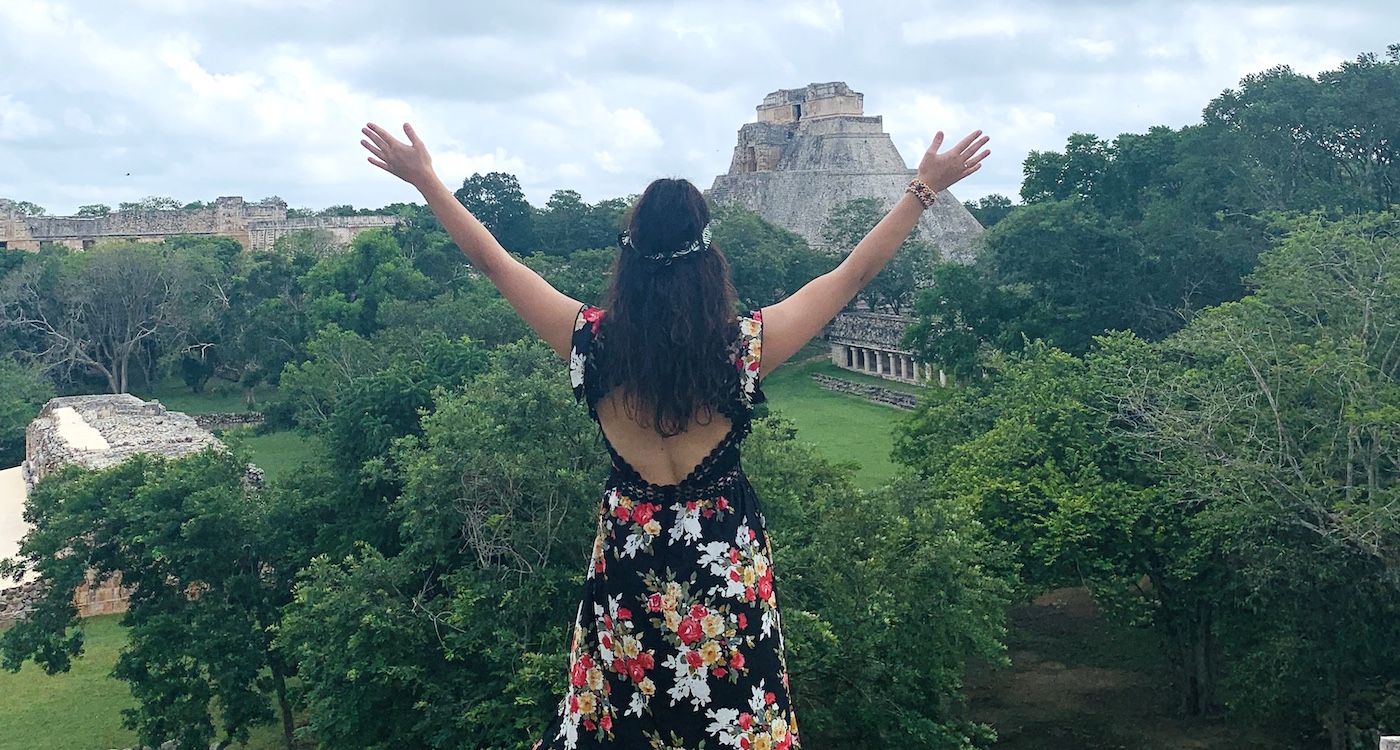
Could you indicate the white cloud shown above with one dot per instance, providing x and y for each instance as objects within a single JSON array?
[
  {"x": 195, "y": 99},
  {"x": 454, "y": 166},
  {"x": 18, "y": 122},
  {"x": 988, "y": 21},
  {"x": 823, "y": 16}
]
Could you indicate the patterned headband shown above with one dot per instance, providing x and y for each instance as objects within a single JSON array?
[{"x": 700, "y": 245}]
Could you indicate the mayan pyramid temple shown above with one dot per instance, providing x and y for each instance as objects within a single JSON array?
[{"x": 814, "y": 149}]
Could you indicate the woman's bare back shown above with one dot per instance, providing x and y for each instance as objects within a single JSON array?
[{"x": 659, "y": 460}]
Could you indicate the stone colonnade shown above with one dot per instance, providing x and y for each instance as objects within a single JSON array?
[{"x": 892, "y": 365}]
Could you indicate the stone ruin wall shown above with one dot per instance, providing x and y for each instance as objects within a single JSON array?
[
  {"x": 263, "y": 234},
  {"x": 872, "y": 393},
  {"x": 129, "y": 426},
  {"x": 256, "y": 226},
  {"x": 813, "y": 149}
]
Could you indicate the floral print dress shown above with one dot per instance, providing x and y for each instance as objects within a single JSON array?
[{"x": 678, "y": 642}]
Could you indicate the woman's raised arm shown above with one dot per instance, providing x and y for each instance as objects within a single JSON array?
[
  {"x": 790, "y": 324},
  {"x": 545, "y": 309}
]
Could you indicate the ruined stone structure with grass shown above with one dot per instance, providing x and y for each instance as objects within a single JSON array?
[
  {"x": 94, "y": 432},
  {"x": 256, "y": 226}
]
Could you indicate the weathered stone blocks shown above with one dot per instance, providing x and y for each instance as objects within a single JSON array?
[{"x": 813, "y": 149}]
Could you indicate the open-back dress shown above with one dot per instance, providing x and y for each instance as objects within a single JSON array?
[{"x": 677, "y": 643}]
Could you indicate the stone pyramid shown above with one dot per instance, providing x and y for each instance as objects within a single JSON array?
[{"x": 813, "y": 149}]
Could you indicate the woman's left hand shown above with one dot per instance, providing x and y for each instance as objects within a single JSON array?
[
  {"x": 409, "y": 162},
  {"x": 941, "y": 171}
]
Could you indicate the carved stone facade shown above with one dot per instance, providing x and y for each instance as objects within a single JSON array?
[
  {"x": 871, "y": 343},
  {"x": 256, "y": 226},
  {"x": 813, "y": 149}
]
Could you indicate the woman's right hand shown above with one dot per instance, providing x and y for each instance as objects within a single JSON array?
[
  {"x": 409, "y": 162},
  {"x": 941, "y": 171}
]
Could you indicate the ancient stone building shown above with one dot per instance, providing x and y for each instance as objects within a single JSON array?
[
  {"x": 255, "y": 225},
  {"x": 871, "y": 343},
  {"x": 94, "y": 432},
  {"x": 813, "y": 149}
]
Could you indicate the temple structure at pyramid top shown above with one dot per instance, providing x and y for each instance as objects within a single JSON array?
[{"x": 813, "y": 149}]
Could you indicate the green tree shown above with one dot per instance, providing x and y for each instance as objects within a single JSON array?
[
  {"x": 152, "y": 203},
  {"x": 23, "y": 391},
  {"x": 990, "y": 209},
  {"x": 25, "y": 208},
  {"x": 1075, "y": 173},
  {"x": 1042, "y": 454},
  {"x": 263, "y": 324},
  {"x": 94, "y": 209},
  {"x": 584, "y": 275},
  {"x": 102, "y": 311},
  {"x": 496, "y": 199},
  {"x": 318, "y": 243},
  {"x": 766, "y": 262},
  {"x": 1079, "y": 273},
  {"x": 460, "y": 640},
  {"x": 348, "y": 289},
  {"x": 912, "y": 266},
  {"x": 961, "y": 316},
  {"x": 862, "y": 575},
  {"x": 191, "y": 542},
  {"x": 1285, "y": 418},
  {"x": 568, "y": 224}
]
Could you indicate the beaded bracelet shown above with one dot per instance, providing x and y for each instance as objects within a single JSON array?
[{"x": 923, "y": 192}]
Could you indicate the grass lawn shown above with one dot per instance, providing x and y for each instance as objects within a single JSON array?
[
  {"x": 843, "y": 427},
  {"x": 81, "y": 709},
  {"x": 219, "y": 397},
  {"x": 274, "y": 452}
]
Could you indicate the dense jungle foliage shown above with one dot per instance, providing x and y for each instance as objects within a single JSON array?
[{"x": 1177, "y": 362}]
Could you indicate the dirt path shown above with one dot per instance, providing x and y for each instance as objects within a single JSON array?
[{"x": 1078, "y": 682}]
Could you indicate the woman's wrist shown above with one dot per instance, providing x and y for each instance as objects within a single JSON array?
[{"x": 921, "y": 190}]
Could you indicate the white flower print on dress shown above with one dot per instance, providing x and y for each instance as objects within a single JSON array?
[{"x": 679, "y": 623}]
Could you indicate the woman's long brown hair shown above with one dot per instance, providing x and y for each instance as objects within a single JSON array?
[{"x": 669, "y": 327}]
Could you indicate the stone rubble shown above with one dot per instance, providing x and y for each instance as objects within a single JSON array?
[
  {"x": 873, "y": 393},
  {"x": 129, "y": 425}
]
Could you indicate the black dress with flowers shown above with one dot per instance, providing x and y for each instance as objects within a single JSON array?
[{"x": 677, "y": 643}]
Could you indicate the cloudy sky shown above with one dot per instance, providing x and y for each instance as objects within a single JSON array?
[{"x": 104, "y": 101}]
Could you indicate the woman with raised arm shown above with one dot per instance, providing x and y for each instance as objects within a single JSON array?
[{"x": 677, "y": 643}]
